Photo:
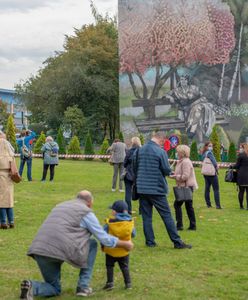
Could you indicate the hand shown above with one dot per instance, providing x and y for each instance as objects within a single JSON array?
[
  {"x": 173, "y": 176},
  {"x": 129, "y": 245}
]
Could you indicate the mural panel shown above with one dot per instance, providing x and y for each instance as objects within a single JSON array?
[{"x": 184, "y": 67}]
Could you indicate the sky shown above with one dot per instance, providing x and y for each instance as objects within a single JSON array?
[{"x": 32, "y": 30}]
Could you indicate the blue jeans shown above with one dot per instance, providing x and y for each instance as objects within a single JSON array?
[
  {"x": 7, "y": 213},
  {"x": 50, "y": 269},
  {"x": 212, "y": 180},
  {"x": 29, "y": 167},
  {"x": 161, "y": 204},
  {"x": 128, "y": 194}
]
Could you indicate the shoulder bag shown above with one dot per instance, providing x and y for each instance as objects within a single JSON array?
[
  {"x": 183, "y": 193},
  {"x": 231, "y": 176},
  {"x": 14, "y": 174},
  {"x": 208, "y": 168}
]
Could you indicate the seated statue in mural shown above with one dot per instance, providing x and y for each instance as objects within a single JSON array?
[{"x": 193, "y": 109}]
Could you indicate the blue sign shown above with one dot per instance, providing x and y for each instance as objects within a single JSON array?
[{"x": 174, "y": 140}]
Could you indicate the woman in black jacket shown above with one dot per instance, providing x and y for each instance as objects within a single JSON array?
[
  {"x": 129, "y": 176},
  {"x": 242, "y": 176}
]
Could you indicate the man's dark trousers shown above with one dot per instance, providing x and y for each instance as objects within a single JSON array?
[{"x": 161, "y": 204}]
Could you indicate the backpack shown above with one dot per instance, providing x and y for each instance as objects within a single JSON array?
[
  {"x": 25, "y": 151},
  {"x": 54, "y": 151}
]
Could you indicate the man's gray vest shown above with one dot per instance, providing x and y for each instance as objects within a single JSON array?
[{"x": 61, "y": 236}]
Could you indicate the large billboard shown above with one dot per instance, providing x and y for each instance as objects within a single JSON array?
[{"x": 183, "y": 67}]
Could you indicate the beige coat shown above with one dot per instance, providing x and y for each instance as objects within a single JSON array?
[
  {"x": 6, "y": 184},
  {"x": 185, "y": 173}
]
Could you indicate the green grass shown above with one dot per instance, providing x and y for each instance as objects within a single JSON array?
[{"x": 216, "y": 267}]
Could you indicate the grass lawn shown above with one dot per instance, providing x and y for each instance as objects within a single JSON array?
[{"x": 215, "y": 268}]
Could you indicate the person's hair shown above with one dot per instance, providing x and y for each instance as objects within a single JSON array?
[
  {"x": 49, "y": 139},
  {"x": 159, "y": 135},
  {"x": 184, "y": 150},
  {"x": 23, "y": 133},
  {"x": 116, "y": 140},
  {"x": 136, "y": 141},
  {"x": 85, "y": 196},
  {"x": 245, "y": 147},
  {"x": 205, "y": 147}
]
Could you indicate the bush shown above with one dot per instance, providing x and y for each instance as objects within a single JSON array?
[
  {"x": 214, "y": 138},
  {"x": 121, "y": 137},
  {"x": 39, "y": 143},
  {"x": 61, "y": 142},
  {"x": 104, "y": 148},
  {"x": 142, "y": 139},
  {"x": 11, "y": 131},
  {"x": 232, "y": 154},
  {"x": 194, "y": 156},
  {"x": 184, "y": 140},
  {"x": 74, "y": 146},
  {"x": 89, "y": 149}
]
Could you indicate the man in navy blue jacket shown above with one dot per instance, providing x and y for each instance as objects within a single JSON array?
[{"x": 151, "y": 169}]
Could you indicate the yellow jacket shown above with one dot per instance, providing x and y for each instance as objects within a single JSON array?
[{"x": 123, "y": 231}]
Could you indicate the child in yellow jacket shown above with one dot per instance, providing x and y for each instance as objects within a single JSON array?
[{"x": 120, "y": 225}]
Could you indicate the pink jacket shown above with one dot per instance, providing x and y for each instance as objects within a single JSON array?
[{"x": 185, "y": 173}]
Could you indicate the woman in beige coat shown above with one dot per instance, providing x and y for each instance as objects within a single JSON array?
[
  {"x": 185, "y": 176},
  {"x": 6, "y": 184}
]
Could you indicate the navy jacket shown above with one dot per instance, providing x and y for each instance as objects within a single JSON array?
[
  {"x": 128, "y": 163},
  {"x": 153, "y": 166}
]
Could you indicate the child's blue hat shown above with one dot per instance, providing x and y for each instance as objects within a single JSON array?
[{"x": 119, "y": 206}]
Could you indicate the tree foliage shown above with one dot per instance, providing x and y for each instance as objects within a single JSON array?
[
  {"x": 232, "y": 154},
  {"x": 88, "y": 149},
  {"x": 121, "y": 137},
  {"x": 39, "y": 143},
  {"x": 214, "y": 138},
  {"x": 74, "y": 120},
  {"x": 74, "y": 146},
  {"x": 142, "y": 139},
  {"x": 104, "y": 148},
  {"x": 84, "y": 74},
  {"x": 3, "y": 113},
  {"x": 11, "y": 132},
  {"x": 61, "y": 142},
  {"x": 194, "y": 152}
]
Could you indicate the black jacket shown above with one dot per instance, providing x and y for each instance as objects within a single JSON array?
[
  {"x": 242, "y": 167},
  {"x": 128, "y": 164}
]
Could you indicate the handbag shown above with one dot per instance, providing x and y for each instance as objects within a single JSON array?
[
  {"x": 183, "y": 193},
  {"x": 231, "y": 176},
  {"x": 14, "y": 174},
  {"x": 208, "y": 168},
  {"x": 26, "y": 153},
  {"x": 135, "y": 195},
  {"x": 123, "y": 174}
]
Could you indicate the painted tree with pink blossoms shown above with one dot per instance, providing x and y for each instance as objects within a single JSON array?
[{"x": 165, "y": 34}]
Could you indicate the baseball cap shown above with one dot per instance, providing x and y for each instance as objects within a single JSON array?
[{"x": 119, "y": 206}]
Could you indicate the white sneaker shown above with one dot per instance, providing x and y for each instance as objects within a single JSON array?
[
  {"x": 121, "y": 191},
  {"x": 113, "y": 190}
]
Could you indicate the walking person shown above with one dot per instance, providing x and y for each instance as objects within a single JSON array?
[
  {"x": 65, "y": 236},
  {"x": 185, "y": 177},
  {"x": 6, "y": 184},
  {"x": 242, "y": 174},
  {"x": 129, "y": 176},
  {"x": 210, "y": 172},
  {"x": 152, "y": 167},
  {"x": 25, "y": 143},
  {"x": 118, "y": 153},
  {"x": 50, "y": 152}
]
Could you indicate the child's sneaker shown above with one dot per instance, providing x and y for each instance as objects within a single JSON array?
[
  {"x": 128, "y": 286},
  {"x": 108, "y": 286},
  {"x": 26, "y": 290}
]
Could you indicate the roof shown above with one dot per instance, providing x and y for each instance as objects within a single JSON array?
[{"x": 6, "y": 91}]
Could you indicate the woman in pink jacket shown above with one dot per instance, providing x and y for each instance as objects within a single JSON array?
[{"x": 185, "y": 176}]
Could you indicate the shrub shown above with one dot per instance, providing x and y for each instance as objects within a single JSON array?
[
  {"x": 74, "y": 146},
  {"x": 194, "y": 156},
  {"x": 214, "y": 138},
  {"x": 104, "y": 148},
  {"x": 11, "y": 131},
  {"x": 121, "y": 137},
  {"x": 142, "y": 139},
  {"x": 232, "y": 155},
  {"x": 39, "y": 143},
  {"x": 61, "y": 142},
  {"x": 88, "y": 149}
]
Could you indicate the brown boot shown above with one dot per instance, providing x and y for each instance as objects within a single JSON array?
[
  {"x": 12, "y": 225},
  {"x": 3, "y": 226}
]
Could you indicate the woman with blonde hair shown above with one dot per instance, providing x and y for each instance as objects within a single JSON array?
[
  {"x": 242, "y": 176},
  {"x": 185, "y": 177},
  {"x": 129, "y": 176},
  {"x": 6, "y": 184}
]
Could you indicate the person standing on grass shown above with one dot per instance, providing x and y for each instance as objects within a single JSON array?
[
  {"x": 6, "y": 184},
  {"x": 152, "y": 166},
  {"x": 25, "y": 143},
  {"x": 129, "y": 176},
  {"x": 211, "y": 180},
  {"x": 242, "y": 176},
  {"x": 69, "y": 221},
  {"x": 118, "y": 153},
  {"x": 50, "y": 152}
]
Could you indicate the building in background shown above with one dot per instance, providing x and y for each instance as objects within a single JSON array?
[{"x": 15, "y": 107}]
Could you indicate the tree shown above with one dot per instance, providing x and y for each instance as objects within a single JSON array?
[
  {"x": 88, "y": 149},
  {"x": 184, "y": 139},
  {"x": 142, "y": 139},
  {"x": 194, "y": 156},
  {"x": 104, "y": 148},
  {"x": 74, "y": 120},
  {"x": 3, "y": 113},
  {"x": 168, "y": 33},
  {"x": 11, "y": 132},
  {"x": 61, "y": 142},
  {"x": 39, "y": 143},
  {"x": 74, "y": 146},
  {"x": 214, "y": 138},
  {"x": 232, "y": 155},
  {"x": 121, "y": 137}
]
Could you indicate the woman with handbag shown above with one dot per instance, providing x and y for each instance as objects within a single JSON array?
[
  {"x": 210, "y": 173},
  {"x": 185, "y": 179},
  {"x": 6, "y": 184},
  {"x": 242, "y": 176},
  {"x": 50, "y": 152},
  {"x": 129, "y": 174}
]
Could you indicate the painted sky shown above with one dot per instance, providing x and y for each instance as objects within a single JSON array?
[{"x": 32, "y": 30}]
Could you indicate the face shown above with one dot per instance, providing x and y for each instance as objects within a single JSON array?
[{"x": 113, "y": 212}]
